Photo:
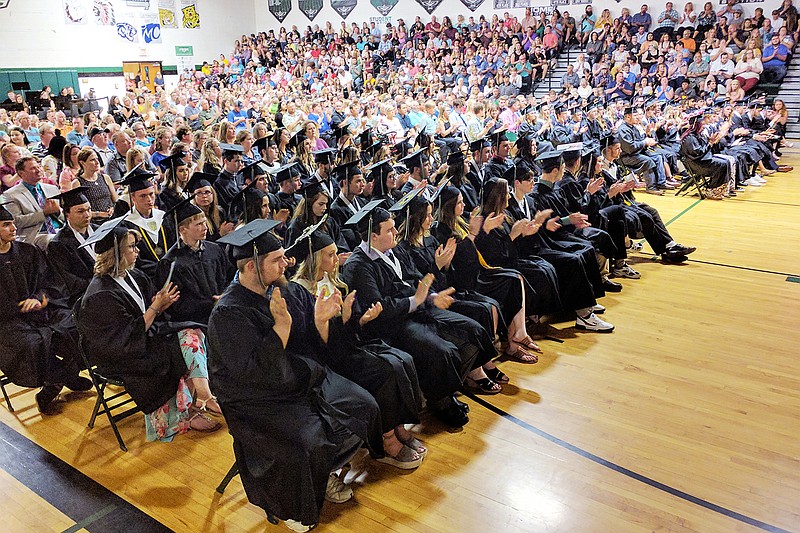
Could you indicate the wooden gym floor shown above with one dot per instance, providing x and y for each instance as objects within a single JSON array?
[{"x": 686, "y": 418}]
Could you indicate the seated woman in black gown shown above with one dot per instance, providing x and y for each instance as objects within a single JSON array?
[
  {"x": 469, "y": 272},
  {"x": 162, "y": 364},
  {"x": 422, "y": 254},
  {"x": 385, "y": 372},
  {"x": 309, "y": 212}
]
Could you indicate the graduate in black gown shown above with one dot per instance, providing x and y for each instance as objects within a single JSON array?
[
  {"x": 288, "y": 179},
  {"x": 176, "y": 175},
  {"x": 163, "y": 364},
  {"x": 422, "y": 254},
  {"x": 457, "y": 169},
  {"x": 444, "y": 345},
  {"x": 156, "y": 234},
  {"x": 201, "y": 268},
  {"x": 343, "y": 207},
  {"x": 385, "y": 372},
  {"x": 229, "y": 180},
  {"x": 469, "y": 272},
  {"x": 384, "y": 179},
  {"x": 200, "y": 186},
  {"x": 696, "y": 154},
  {"x": 293, "y": 421},
  {"x": 315, "y": 205},
  {"x": 37, "y": 344},
  {"x": 74, "y": 265}
]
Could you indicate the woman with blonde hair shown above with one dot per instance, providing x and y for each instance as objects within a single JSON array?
[
  {"x": 210, "y": 160},
  {"x": 245, "y": 139},
  {"x": 162, "y": 364},
  {"x": 71, "y": 167},
  {"x": 226, "y": 133}
]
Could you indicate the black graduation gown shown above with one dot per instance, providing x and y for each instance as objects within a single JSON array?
[
  {"x": 226, "y": 186},
  {"x": 30, "y": 342},
  {"x": 444, "y": 344},
  {"x": 470, "y": 196},
  {"x": 696, "y": 155},
  {"x": 112, "y": 326},
  {"x": 496, "y": 167},
  {"x": 199, "y": 275},
  {"x": 292, "y": 420},
  {"x": 73, "y": 265},
  {"x": 150, "y": 252},
  {"x": 387, "y": 373},
  {"x": 167, "y": 199},
  {"x": 498, "y": 249},
  {"x": 476, "y": 306},
  {"x": 341, "y": 213},
  {"x": 466, "y": 274},
  {"x": 633, "y": 150}
]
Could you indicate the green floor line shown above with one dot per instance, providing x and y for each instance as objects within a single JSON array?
[
  {"x": 679, "y": 215},
  {"x": 91, "y": 518}
]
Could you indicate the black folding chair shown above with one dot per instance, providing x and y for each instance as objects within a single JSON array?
[
  {"x": 3, "y": 382},
  {"x": 104, "y": 404},
  {"x": 232, "y": 473},
  {"x": 692, "y": 180}
]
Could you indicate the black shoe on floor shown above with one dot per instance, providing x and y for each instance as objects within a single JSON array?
[
  {"x": 611, "y": 286},
  {"x": 79, "y": 384},
  {"x": 681, "y": 249},
  {"x": 46, "y": 396},
  {"x": 670, "y": 257},
  {"x": 461, "y": 405},
  {"x": 453, "y": 416}
]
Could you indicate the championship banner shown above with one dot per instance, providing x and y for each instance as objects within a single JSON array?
[
  {"x": 280, "y": 8},
  {"x": 472, "y": 5},
  {"x": 310, "y": 8},
  {"x": 429, "y": 5},
  {"x": 343, "y": 7},
  {"x": 383, "y": 6}
]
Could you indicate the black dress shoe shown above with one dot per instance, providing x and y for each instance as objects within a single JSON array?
[
  {"x": 46, "y": 396},
  {"x": 461, "y": 405},
  {"x": 79, "y": 384},
  {"x": 453, "y": 416},
  {"x": 681, "y": 249},
  {"x": 670, "y": 257},
  {"x": 611, "y": 286}
]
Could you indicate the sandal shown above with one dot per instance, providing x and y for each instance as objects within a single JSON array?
[
  {"x": 496, "y": 375},
  {"x": 413, "y": 443},
  {"x": 405, "y": 459},
  {"x": 482, "y": 386},
  {"x": 202, "y": 422},
  {"x": 522, "y": 355},
  {"x": 528, "y": 343},
  {"x": 202, "y": 406}
]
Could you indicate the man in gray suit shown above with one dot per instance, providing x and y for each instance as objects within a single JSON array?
[{"x": 37, "y": 218}]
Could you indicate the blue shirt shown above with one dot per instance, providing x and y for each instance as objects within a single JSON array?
[
  {"x": 775, "y": 62},
  {"x": 642, "y": 20},
  {"x": 234, "y": 115}
]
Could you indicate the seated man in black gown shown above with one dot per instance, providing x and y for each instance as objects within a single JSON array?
[
  {"x": 37, "y": 346},
  {"x": 443, "y": 344},
  {"x": 293, "y": 421}
]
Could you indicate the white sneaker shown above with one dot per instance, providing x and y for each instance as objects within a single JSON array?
[
  {"x": 625, "y": 271},
  {"x": 636, "y": 247},
  {"x": 599, "y": 309},
  {"x": 753, "y": 183},
  {"x": 337, "y": 491},
  {"x": 296, "y": 525},
  {"x": 593, "y": 323}
]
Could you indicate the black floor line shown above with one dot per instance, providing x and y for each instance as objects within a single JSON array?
[
  {"x": 751, "y": 269},
  {"x": 81, "y": 498},
  {"x": 764, "y": 202},
  {"x": 630, "y": 473}
]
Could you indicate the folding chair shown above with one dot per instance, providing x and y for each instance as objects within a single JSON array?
[
  {"x": 232, "y": 473},
  {"x": 103, "y": 404},
  {"x": 3, "y": 382},
  {"x": 692, "y": 180}
]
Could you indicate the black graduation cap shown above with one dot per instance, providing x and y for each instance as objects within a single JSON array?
[
  {"x": 297, "y": 139},
  {"x": 423, "y": 140},
  {"x": 200, "y": 179},
  {"x": 559, "y": 108},
  {"x": 435, "y": 197},
  {"x": 340, "y": 129},
  {"x": 311, "y": 189},
  {"x": 628, "y": 110},
  {"x": 415, "y": 159},
  {"x": 571, "y": 151},
  {"x": 368, "y": 217},
  {"x": 324, "y": 156},
  {"x": 175, "y": 160},
  {"x": 180, "y": 212},
  {"x": 447, "y": 194},
  {"x": 249, "y": 195},
  {"x": 346, "y": 170},
  {"x": 253, "y": 240},
  {"x": 138, "y": 179},
  {"x": 754, "y": 103},
  {"x": 399, "y": 168},
  {"x": 479, "y": 144},
  {"x": 310, "y": 241},
  {"x": 373, "y": 148},
  {"x": 400, "y": 150},
  {"x": 607, "y": 139},
  {"x": 107, "y": 236},
  {"x": 378, "y": 173},
  {"x": 510, "y": 175},
  {"x": 499, "y": 136},
  {"x": 228, "y": 149},
  {"x": 455, "y": 157},
  {"x": 549, "y": 160},
  {"x": 404, "y": 205},
  {"x": 263, "y": 142},
  {"x": 286, "y": 172},
  {"x": 72, "y": 197},
  {"x": 365, "y": 137},
  {"x": 597, "y": 104},
  {"x": 254, "y": 169},
  {"x": 487, "y": 188},
  {"x": 5, "y": 214}
]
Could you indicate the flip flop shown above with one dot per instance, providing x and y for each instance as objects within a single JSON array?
[
  {"x": 482, "y": 386},
  {"x": 496, "y": 375},
  {"x": 528, "y": 343},
  {"x": 523, "y": 356}
]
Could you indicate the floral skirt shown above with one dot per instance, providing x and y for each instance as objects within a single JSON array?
[{"x": 172, "y": 418}]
